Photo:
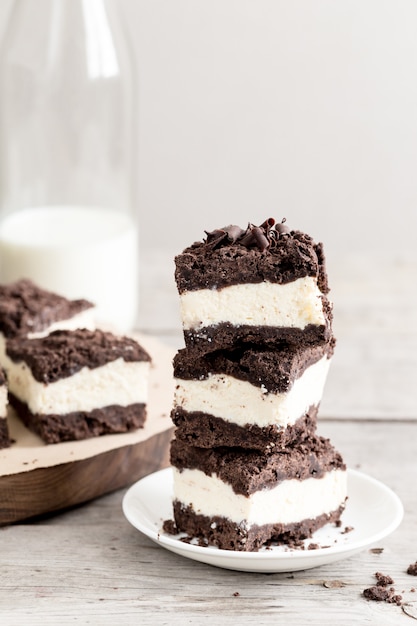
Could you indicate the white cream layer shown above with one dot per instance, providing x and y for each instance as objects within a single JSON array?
[
  {"x": 3, "y": 401},
  {"x": 289, "y": 502},
  {"x": 84, "y": 319},
  {"x": 118, "y": 382},
  {"x": 242, "y": 403},
  {"x": 293, "y": 305}
]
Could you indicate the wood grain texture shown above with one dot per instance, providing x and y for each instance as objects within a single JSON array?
[
  {"x": 49, "y": 489},
  {"x": 36, "y": 478},
  {"x": 89, "y": 566}
]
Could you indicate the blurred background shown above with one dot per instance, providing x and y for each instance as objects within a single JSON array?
[
  {"x": 256, "y": 107},
  {"x": 308, "y": 110}
]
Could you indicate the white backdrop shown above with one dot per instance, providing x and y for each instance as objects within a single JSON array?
[
  {"x": 304, "y": 108},
  {"x": 298, "y": 108}
]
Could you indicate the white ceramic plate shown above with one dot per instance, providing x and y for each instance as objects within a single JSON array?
[{"x": 373, "y": 511}]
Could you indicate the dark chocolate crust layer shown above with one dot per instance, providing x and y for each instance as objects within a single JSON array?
[
  {"x": 227, "y": 535},
  {"x": 227, "y": 259},
  {"x": 64, "y": 352},
  {"x": 206, "y": 431},
  {"x": 81, "y": 424},
  {"x": 247, "y": 471},
  {"x": 274, "y": 370},
  {"x": 3, "y": 379},
  {"x": 4, "y": 433},
  {"x": 226, "y": 336},
  {"x": 26, "y": 308}
]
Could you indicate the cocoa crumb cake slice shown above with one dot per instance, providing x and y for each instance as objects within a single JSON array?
[
  {"x": 241, "y": 499},
  {"x": 76, "y": 384},
  {"x": 253, "y": 398},
  {"x": 265, "y": 284},
  {"x": 27, "y": 310}
]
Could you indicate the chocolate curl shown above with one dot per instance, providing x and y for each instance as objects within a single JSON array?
[
  {"x": 215, "y": 237},
  {"x": 282, "y": 228},
  {"x": 260, "y": 239},
  {"x": 262, "y": 236},
  {"x": 267, "y": 224},
  {"x": 248, "y": 239},
  {"x": 233, "y": 232}
]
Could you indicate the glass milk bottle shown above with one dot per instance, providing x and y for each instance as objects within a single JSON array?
[{"x": 67, "y": 108}]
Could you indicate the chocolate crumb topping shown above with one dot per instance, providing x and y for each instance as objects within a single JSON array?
[
  {"x": 26, "y": 308},
  {"x": 273, "y": 370},
  {"x": 64, "y": 352},
  {"x": 248, "y": 471},
  {"x": 232, "y": 255}
]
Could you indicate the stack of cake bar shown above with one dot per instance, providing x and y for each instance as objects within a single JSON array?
[
  {"x": 248, "y": 465},
  {"x": 65, "y": 379}
]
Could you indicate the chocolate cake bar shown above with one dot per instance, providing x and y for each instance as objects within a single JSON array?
[
  {"x": 26, "y": 310},
  {"x": 4, "y": 430},
  {"x": 251, "y": 398},
  {"x": 241, "y": 499},
  {"x": 248, "y": 466},
  {"x": 265, "y": 285},
  {"x": 77, "y": 384}
]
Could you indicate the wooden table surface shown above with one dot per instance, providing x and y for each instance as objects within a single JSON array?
[{"x": 90, "y": 566}]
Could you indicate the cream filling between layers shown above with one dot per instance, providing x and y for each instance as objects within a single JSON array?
[
  {"x": 84, "y": 319},
  {"x": 289, "y": 502},
  {"x": 242, "y": 403},
  {"x": 118, "y": 382},
  {"x": 293, "y": 305},
  {"x": 3, "y": 400}
]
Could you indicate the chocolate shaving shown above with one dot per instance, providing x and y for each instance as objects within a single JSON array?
[
  {"x": 282, "y": 228},
  {"x": 248, "y": 239},
  {"x": 268, "y": 224},
  {"x": 234, "y": 232},
  {"x": 261, "y": 240},
  {"x": 215, "y": 238},
  {"x": 261, "y": 237}
]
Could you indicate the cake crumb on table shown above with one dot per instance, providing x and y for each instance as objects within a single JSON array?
[
  {"x": 382, "y": 580},
  {"x": 376, "y": 550},
  {"x": 382, "y": 592}
]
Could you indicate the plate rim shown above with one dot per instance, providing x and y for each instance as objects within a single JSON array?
[{"x": 212, "y": 552}]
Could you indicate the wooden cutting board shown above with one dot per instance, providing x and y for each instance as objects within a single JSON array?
[{"x": 36, "y": 478}]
